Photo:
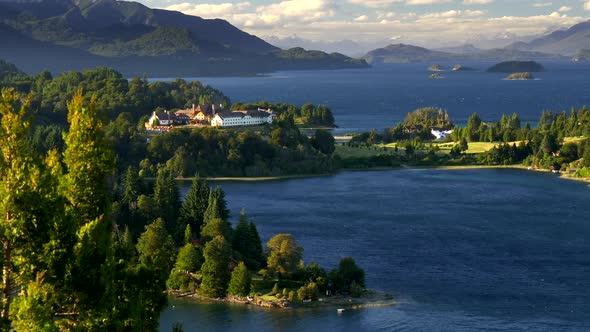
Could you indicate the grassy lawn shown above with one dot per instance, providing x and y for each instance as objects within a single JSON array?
[{"x": 574, "y": 139}]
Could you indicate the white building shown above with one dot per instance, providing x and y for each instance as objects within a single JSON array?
[
  {"x": 440, "y": 134},
  {"x": 242, "y": 118},
  {"x": 164, "y": 118}
]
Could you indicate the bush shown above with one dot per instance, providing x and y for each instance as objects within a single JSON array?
[
  {"x": 308, "y": 292},
  {"x": 291, "y": 296},
  {"x": 181, "y": 281}
]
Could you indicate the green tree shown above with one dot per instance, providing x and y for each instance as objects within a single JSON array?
[
  {"x": 284, "y": 255},
  {"x": 156, "y": 248},
  {"x": 240, "y": 281},
  {"x": 215, "y": 271},
  {"x": 167, "y": 201},
  {"x": 216, "y": 206},
  {"x": 31, "y": 213},
  {"x": 188, "y": 234},
  {"x": 89, "y": 160},
  {"x": 347, "y": 273},
  {"x": 463, "y": 144},
  {"x": 189, "y": 260},
  {"x": 323, "y": 141},
  {"x": 195, "y": 204},
  {"x": 246, "y": 242},
  {"x": 214, "y": 228}
]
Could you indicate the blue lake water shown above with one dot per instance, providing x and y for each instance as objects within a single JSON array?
[
  {"x": 462, "y": 250},
  {"x": 378, "y": 97}
]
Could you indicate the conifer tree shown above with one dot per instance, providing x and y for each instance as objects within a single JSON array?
[
  {"x": 195, "y": 204},
  {"x": 167, "y": 201},
  {"x": 240, "y": 281},
  {"x": 214, "y": 228},
  {"x": 89, "y": 161}
]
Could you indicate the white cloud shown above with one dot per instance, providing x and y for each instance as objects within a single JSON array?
[
  {"x": 426, "y": 2},
  {"x": 477, "y": 2},
  {"x": 325, "y": 20},
  {"x": 542, "y": 4},
  {"x": 587, "y": 5},
  {"x": 374, "y": 3},
  {"x": 564, "y": 9}
]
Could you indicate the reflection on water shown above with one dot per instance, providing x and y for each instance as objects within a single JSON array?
[{"x": 502, "y": 250}]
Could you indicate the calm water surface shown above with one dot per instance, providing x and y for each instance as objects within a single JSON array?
[
  {"x": 500, "y": 250},
  {"x": 381, "y": 96}
]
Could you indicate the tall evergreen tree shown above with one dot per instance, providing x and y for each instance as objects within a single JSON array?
[
  {"x": 195, "y": 204},
  {"x": 167, "y": 201},
  {"x": 217, "y": 206},
  {"x": 89, "y": 161},
  {"x": 240, "y": 281}
]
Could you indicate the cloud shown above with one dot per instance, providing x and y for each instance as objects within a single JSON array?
[
  {"x": 477, "y": 2},
  {"x": 587, "y": 5},
  {"x": 542, "y": 4},
  {"x": 327, "y": 20},
  {"x": 564, "y": 9},
  {"x": 426, "y": 2},
  {"x": 245, "y": 14},
  {"x": 374, "y": 3}
]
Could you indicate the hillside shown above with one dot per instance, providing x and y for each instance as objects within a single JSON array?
[
  {"x": 61, "y": 35},
  {"x": 566, "y": 42},
  {"x": 401, "y": 53}
]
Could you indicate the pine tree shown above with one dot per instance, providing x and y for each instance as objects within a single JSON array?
[
  {"x": 241, "y": 236},
  {"x": 240, "y": 281},
  {"x": 167, "y": 201},
  {"x": 195, "y": 204},
  {"x": 255, "y": 251},
  {"x": 217, "y": 206},
  {"x": 214, "y": 228},
  {"x": 215, "y": 271}
]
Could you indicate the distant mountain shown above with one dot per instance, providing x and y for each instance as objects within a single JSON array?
[
  {"x": 565, "y": 42},
  {"x": 461, "y": 49},
  {"x": 582, "y": 56},
  {"x": 401, "y": 53},
  {"x": 63, "y": 35}
]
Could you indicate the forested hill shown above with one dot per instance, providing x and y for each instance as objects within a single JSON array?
[{"x": 62, "y": 35}]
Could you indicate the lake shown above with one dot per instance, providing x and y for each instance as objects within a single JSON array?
[
  {"x": 462, "y": 250},
  {"x": 381, "y": 96}
]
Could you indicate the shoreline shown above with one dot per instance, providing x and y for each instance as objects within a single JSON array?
[
  {"x": 564, "y": 176},
  {"x": 371, "y": 299}
]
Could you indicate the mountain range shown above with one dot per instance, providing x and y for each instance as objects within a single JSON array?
[
  {"x": 402, "y": 53},
  {"x": 565, "y": 42},
  {"x": 61, "y": 35}
]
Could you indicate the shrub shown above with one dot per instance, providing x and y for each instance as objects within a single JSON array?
[{"x": 308, "y": 292}]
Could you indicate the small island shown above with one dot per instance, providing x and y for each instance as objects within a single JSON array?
[
  {"x": 436, "y": 76},
  {"x": 462, "y": 68},
  {"x": 435, "y": 67},
  {"x": 516, "y": 67},
  {"x": 520, "y": 77}
]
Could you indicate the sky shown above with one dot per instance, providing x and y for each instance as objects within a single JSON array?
[{"x": 420, "y": 22}]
